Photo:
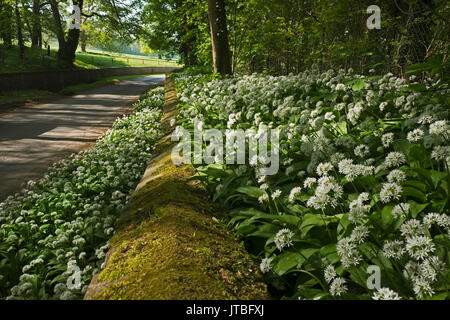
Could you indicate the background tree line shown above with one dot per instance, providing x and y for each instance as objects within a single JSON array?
[
  {"x": 37, "y": 21},
  {"x": 283, "y": 36},
  {"x": 278, "y": 36}
]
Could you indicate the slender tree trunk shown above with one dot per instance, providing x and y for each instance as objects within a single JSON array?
[
  {"x": 188, "y": 37},
  {"x": 186, "y": 48},
  {"x": 36, "y": 28},
  {"x": 57, "y": 23},
  {"x": 19, "y": 33},
  {"x": 219, "y": 36},
  {"x": 83, "y": 40},
  {"x": 40, "y": 37}
]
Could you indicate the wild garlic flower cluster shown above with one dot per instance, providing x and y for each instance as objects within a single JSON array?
[
  {"x": 58, "y": 227},
  {"x": 367, "y": 161}
]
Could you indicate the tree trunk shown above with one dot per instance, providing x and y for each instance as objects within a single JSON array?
[
  {"x": 67, "y": 48},
  {"x": 19, "y": 33},
  {"x": 83, "y": 40},
  {"x": 188, "y": 37},
  {"x": 219, "y": 37},
  {"x": 36, "y": 28}
]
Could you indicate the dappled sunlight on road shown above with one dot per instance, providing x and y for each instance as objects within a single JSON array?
[{"x": 34, "y": 137}]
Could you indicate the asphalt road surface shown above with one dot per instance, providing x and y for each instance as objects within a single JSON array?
[{"x": 34, "y": 137}]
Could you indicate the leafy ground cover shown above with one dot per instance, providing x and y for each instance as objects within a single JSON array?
[
  {"x": 53, "y": 235},
  {"x": 363, "y": 181}
]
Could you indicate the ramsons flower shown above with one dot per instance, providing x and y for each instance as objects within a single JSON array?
[
  {"x": 266, "y": 265},
  {"x": 394, "y": 159},
  {"x": 440, "y": 128},
  {"x": 390, "y": 191},
  {"x": 419, "y": 247},
  {"x": 385, "y": 294},
  {"x": 401, "y": 210},
  {"x": 396, "y": 176},
  {"x": 283, "y": 239},
  {"x": 338, "y": 287},
  {"x": 358, "y": 209},
  {"x": 295, "y": 191},
  {"x": 394, "y": 249},
  {"x": 412, "y": 228},
  {"x": 415, "y": 135},
  {"x": 387, "y": 139},
  {"x": 329, "y": 273},
  {"x": 276, "y": 194}
]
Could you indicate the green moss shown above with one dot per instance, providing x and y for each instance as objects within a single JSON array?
[{"x": 179, "y": 255}]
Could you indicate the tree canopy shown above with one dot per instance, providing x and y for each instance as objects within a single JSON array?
[{"x": 278, "y": 36}]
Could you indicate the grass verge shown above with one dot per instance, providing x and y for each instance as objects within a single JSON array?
[{"x": 37, "y": 59}]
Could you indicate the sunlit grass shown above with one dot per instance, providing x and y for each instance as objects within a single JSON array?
[{"x": 38, "y": 60}]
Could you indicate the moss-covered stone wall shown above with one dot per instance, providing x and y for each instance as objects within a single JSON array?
[{"x": 172, "y": 242}]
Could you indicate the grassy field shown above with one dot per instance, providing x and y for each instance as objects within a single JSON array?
[
  {"x": 24, "y": 96},
  {"x": 38, "y": 60}
]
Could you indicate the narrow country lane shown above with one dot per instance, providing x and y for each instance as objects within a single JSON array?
[{"x": 33, "y": 138}]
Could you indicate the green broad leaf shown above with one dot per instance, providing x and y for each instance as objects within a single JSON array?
[
  {"x": 440, "y": 205},
  {"x": 250, "y": 191},
  {"x": 303, "y": 197},
  {"x": 253, "y": 214},
  {"x": 423, "y": 175},
  {"x": 416, "y": 184},
  {"x": 437, "y": 177},
  {"x": 298, "y": 209},
  {"x": 435, "y": 71},
  {"x": 311, "y": 293},
  {"x": 226, "y": 182},
  {"x": 300, "y": 165},
  {"x": 216, "y": 172},
  {"x": 416, "y": 208},
  {"x": 287, "y": 261},
  {"x": 402, "y": 145},
  {"x": 308, "y": 252},
  {"x": 245, "y": 229},
  {"x": 341, "y": 127},
  {"x": 358, "y": 85},
  {"x": 414, "y": 87},
  {"x": 266, "y": 231},
  {"x": 310, "y": 221},
  {"x": 375, "y": 255},
  {"x": 387, "y": 217},
  {"x": 343, "y": 226},
  {"x": 411, "y": 192},
  {"x": 358, "y": 275},
  {"x": 418, "y": 154},
  {"x": 329, "y": 253},
  {"x": 439, "y": 296},
  {"x": 332, "y": 97},
  {"x": 245, "y": 212}
]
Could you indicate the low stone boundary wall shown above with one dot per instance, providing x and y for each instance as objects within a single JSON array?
[
  {"x": 170, "y": 243},
  {"x": 58, "y": 79}
]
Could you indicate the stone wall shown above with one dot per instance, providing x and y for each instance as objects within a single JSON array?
[
  {"x": 58, "y": 79},
  {"x": 172, "y": 242}
]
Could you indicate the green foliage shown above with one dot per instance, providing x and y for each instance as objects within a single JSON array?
[
  {"x": 363, "y": 180},
  {"x": 62, "y": 223}
]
